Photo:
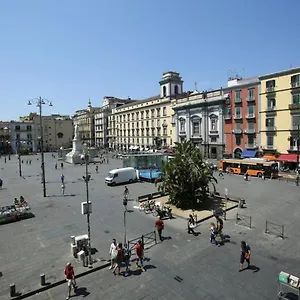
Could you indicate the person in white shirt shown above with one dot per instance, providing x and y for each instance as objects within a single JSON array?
[{"x": 112, "y": 250}]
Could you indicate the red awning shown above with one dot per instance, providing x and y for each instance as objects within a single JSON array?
[{"x": 287, "y": 157}]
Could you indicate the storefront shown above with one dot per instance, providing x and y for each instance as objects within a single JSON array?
[{"x": 288, "y": 161}]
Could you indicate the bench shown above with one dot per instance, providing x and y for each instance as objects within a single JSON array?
[
  {"x": 156, "y": 195},
  {"x": 144, "y": 198}
]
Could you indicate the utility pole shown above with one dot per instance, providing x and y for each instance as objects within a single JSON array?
[{"x": 19, "y": 157}]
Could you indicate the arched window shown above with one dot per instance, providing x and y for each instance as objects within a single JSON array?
[
  {"x": 176, "y": 89},
  {"x": 164, "y": 91}
]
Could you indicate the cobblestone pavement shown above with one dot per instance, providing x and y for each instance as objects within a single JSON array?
[{"x": 182, "y": 267}]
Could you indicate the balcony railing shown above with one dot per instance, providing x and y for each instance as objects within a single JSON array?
[
  {"x": 251, "y": 146},
  {"x": 238, "y": 116},
  {"x": 227, "y": 117},
  {"x": 238, "y": 100},
  {"x": 270, "y": 128},
  {"x": 294, "y": 106},
  {"x": 271, "y": 108},
  {"x": 213, "y": 132},
  {"x": 270, "y": 147},
  {"x": 294, "y": 127},
  {"x": 250, "y": 131},
  {"x": 182, "y": 132},
  {"x": 237, "y": 131},
  {"x": 270, "y": 89},
  {"x": 293, "y": 148},
  {"x": 250, "y": 99},
  {"x": 295, "y": 84},
  {"x": 250, "y": 116}
]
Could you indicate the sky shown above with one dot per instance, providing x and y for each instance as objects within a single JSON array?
[{"x": 71, "y": 51}]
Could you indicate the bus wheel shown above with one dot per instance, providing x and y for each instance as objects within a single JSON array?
[{"x": 259, "y": 175}]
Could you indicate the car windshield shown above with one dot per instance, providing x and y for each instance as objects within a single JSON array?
[{"x": 110, "y": 175}]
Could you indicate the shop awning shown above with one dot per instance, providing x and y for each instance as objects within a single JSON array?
[
  {"x": 248, "y": 153},
  {"x": 287, "y": 157},
  {"x": 269, "y": 157}
]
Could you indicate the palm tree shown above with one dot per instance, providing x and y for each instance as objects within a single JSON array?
[{"x": 186, "y": 177}]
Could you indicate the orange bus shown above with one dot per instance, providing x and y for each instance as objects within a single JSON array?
[{"x": 253, "y": 166}]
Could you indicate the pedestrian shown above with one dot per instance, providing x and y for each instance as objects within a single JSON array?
[
  {"x": 245, "y": 255},
  {"x": 139, "y": 250},
  {"x": 220, "y": 225},
  {"x": 159, "y": 224},
  {"x": 191, "y": 225},
  {"x": 70, "y": 278},
  {"x": 112, "y": 253},
  {"x": 213, "y": 231},
  {"x": 1, "y": 184},
  {"x": 30, "y": 161},
  {"x": 62, "y": 165},
  {"x": 55, "y": 166},
  {"x": 63, "y": 189},
  {"x": 97, "y": 169},
  {"x": 126, "y": 255},
  {"x": 119, "y": 259},
  {"x": 62, "y": 178}
]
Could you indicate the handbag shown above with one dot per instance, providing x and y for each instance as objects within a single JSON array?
[{"x": 247, "y": 255}]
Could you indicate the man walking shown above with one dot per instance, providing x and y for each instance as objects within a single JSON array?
[
  {"x": 159, "y": 224},
  {"x": 139, "y": 249},
  {"x": 70, "y": 278},
  {"x": 112, "y": 253}
]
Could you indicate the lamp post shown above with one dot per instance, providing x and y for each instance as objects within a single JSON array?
[
  {"x": 125, "y": 202},
  {"x": 87, "y": 178},
  {"x": 39, "y": 103},
  {"x": 19, "y": 156}
]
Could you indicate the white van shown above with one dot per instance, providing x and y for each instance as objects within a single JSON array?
[{"x": 122, "y": 175}]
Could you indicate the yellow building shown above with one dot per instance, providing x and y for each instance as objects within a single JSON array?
[
  {"x": 146, "y": 124},
  {"x": 279, "y": 113}
]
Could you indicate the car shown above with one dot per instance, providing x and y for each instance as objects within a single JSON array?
[{"x": 122, "y": 175}]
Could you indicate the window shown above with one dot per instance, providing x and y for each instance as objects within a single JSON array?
[
  {"x": 250, "y": 139},
  {"x": 214, "y": 124},
  {"x": 271, "y": 102},
  {"x": 237, "y": 95},
  {"x": 227, "y": 111},
  {"x": 132, "y": 125},
  {"x": 270, "y": 122},
  {"x": 251, "y": 110},
  {"x": 158, "y": 112},
  {"x": 137, "y": 124},
  {"x": 176, "y": 89},
  {"x": 147, "y": 124},
  {"x": 152, "y": 113},
  {"x": 128, "y": 117},
  {"x": 137, "y": 115},
  {"x": 182, "y": 125},
  {"x": 251, "y": 125},
  {"x": 158, "y": 123},
  {"x": 270, "y": 140},
  {"x": 238, "y": 139},
  {"x": 152, "y": 123},
  {"x": 296, "y": 121},
  {"x": 164, "y": 91},
  {"x": 238, "y": 126},
  {"x": 142, "y": 115},
  {"x": 213, "y": 140},
  {"x": 251, "y": 93},
  {"x": 147, "y": 114},
  {"x": 295, "y": 80},
  {"x": 165, "y": 130},
  {"x": 237, "y": 111},
  {"x": 164, "y": 111},
  {"x": 270, "y": 84},
  {"x": 296, "y": 98},
  {"x": 17, "y": 128},
  {"x": 132, "y": 116},
  {"x": 196, "y": 127}
]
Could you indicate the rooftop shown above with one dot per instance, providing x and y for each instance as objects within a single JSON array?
[{"x": 281, "y": 73}]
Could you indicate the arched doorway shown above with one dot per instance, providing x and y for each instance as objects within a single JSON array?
[{"x": 237, "y": 153}]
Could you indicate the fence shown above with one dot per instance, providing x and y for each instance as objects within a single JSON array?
[
  {"x": 275, "y": 229},
  {"x": 243, "y": 220},
  {"x": 148, "y": 240}
]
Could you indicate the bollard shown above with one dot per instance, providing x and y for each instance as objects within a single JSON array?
[
  {"x": 43, "y": 279},
  {"x": 12, "y": 290},
  {"x": 73, "y": 239}
]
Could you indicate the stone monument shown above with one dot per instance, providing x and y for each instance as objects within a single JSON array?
[{"x": 74, "y": 157}]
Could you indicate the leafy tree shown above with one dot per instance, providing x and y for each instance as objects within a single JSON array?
[{"x": 186, "y": 177}]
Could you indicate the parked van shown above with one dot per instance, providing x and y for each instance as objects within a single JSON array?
[{"x": 122, "y": 175}]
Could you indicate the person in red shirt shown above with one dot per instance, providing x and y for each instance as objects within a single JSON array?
[
  {"x": 159, "y": 224},
  {"x": 139, "y": 249},
  {"x": 70, "y": 277}
]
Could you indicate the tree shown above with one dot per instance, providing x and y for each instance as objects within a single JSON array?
[{"x": 186, "y": 177}]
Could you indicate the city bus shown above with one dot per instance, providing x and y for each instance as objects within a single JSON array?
[{"x": 254, "y": 167}]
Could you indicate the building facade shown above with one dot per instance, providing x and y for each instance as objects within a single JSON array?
[
  {"x": 241, "y": 116},
  {"x": 198, "y": 117},
  {"x": 101, "y": 119},
  {"x": 146, "y": 124},
  {"x": 5, "y": 146},
  {"x": 280, "y": 113},
  {"x": 85, "y": 120}
]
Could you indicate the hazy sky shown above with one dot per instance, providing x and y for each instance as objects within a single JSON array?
[{"x": 69, "y": 51}]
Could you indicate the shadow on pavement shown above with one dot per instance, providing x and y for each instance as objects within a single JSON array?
[
  {"x": 66, "y": 195},
  {"x": 82, "y": 291}
]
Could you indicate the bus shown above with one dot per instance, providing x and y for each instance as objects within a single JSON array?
[{"x": 254, "y": 167}]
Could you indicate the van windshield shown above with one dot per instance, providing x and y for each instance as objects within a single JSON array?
[{"x": 110, "y": 175}]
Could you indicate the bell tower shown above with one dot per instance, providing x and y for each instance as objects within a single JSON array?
[{"x": 171, "y": 85}]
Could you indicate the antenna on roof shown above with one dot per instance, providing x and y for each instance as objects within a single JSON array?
[{"x": 195, "y": 84}]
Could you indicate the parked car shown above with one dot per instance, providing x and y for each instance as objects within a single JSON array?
[{"x": 122, "y": 175}]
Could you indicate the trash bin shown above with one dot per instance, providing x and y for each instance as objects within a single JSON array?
[{"x": 242, "y": 203}]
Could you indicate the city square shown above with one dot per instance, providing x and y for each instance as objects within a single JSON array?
[{"x": 181, "y": 267}]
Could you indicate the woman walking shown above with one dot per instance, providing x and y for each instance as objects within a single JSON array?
[
  {"x": 245, "y": 255},
  {"x": 119, "y": 259}
]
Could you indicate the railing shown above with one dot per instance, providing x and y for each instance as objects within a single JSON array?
[
  {"x": 250, "y": 146},
  {"x": 243, "y": 220},
  {"x": 250, "y": 115},
  {"x": 270, "y": 128},
  {"x": 294, "y": 106},
  {"x": 275, "y": 229},
  {"x": 239, "y": 116},
  {"x": 270, "y": 89},
  {"x": 250, "y": 130},
  {"x": 227, "y": 117},
  {"x": 250, "y": 99},
  {"x": 295, "y": 84},
  {"x": 148, "y": 240},
  {"x": 271, "y": 108},
  {"x": 237, "y": 131},
  {"x": 238, "y": 100}
]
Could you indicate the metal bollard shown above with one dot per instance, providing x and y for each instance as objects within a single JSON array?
[
  {"x": 73, "y": 239},
  {"x": 12, "y": 290},
  {"x": 43, "y": 279}
]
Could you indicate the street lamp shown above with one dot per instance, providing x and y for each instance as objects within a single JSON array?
[
  {"x": 125, "y": 202},
  {"x": 39, "y": 103},
  {"x": 19, "y": 155},
  {"x": 87, "y": 178}
]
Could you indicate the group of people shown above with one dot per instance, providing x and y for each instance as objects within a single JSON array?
[
  {"x": 217, "y": 230},
  {"x": 20, "y": 202}
]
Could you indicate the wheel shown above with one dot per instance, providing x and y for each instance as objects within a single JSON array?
[
  {"x": 259, "y": 174},
  {"x": 155, "y": 213},
  {"x": 130, "y": 181}
]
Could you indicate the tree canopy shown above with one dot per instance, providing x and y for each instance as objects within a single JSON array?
[{"x": 186, "y": 177}]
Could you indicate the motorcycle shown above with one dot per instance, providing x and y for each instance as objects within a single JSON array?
[{"x": 164, "y": 212}]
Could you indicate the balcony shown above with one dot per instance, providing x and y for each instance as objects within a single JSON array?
[
  {"x": 293, "y": 148},
  {"x": 270, "y": 147},
  {"x": 237, "y": 131},
  {"x": 227, "y": 117},
  {"x": 238, "y": 100},
  {"x": 182, "y": 132},
  {"x": 214, "y": 132},
  {"x": 251, "y": 146},
  {"x": 294, "y": 128},
  {"x": 270, "y": 128},
  {"x": 250, "y": 116},
  {"x": 250, "y": 99},
  {"x": 294, "y": 106},
  {"x": 238, "y": 116},
  {"x": 250, "y": 131},
  {"x": 270, "y": 109},
  {"x": 270, "y": 89},
  {"x": 295, "y": 84}
]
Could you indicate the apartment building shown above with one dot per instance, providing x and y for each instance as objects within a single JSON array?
[
  {"x": 101, "y": 119},
  {"x": 198, "y": 117},
  {"x": 241, "y": 117},
  {"x": 85, "y": 120},
  {"x": 57, "y": 131},
  {"x": 280, "y": 113},
  {"x": 5, "y": 146},
  {"x": 146, "y": 124}
]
